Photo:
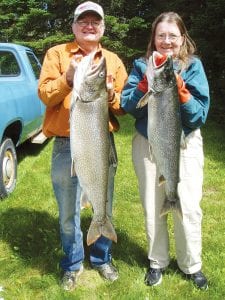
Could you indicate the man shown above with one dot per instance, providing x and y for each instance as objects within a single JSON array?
[{"x": 55, "y": 86}]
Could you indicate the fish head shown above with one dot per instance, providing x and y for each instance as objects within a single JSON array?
[
  {"x": 93, "y": 85},
  {"x": 160, "y": 73}
]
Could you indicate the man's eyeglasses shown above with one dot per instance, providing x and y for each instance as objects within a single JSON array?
[
  {"x": 94, "y": 24},
  {"x": 171, "y": 37}
]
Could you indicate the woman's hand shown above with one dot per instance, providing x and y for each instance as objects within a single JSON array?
[{"x": 183, "y": 92}]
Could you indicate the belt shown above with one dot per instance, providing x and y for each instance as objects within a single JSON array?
[{"x": 62, "y": 137}]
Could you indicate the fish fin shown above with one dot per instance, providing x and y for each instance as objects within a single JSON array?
[
  {"x": 161, "y": 180},
  {"x": 113, "y": 160},
  {"x": 97, "y": 229},
  {"x": 84, "y": 202},
  {"x": 143, "y": 101},
  {"x": 150, "y": 152},
  {"x": 171, "y": 206},
  {"x": 183, "y": 143},
  {"x": 73, "y": 173}
]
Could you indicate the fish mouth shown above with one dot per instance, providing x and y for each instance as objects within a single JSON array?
[{"x": 158, "y": 59}]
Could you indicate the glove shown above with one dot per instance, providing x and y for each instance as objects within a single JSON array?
[
  {"x": 143, "y": 85},
  {"x": 183, "y": 92}
]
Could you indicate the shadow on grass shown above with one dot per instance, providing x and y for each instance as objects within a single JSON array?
[
  {"x": 126, "y": 249},
  {"x": 129, "y": 251},
  {"x": 29, "y": 149},
  {"x": 32, "y": 236}
]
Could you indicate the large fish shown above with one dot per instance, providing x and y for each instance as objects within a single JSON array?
[
  {"x": 90, "y": 145},
  {"x": 164, "y": 126}
]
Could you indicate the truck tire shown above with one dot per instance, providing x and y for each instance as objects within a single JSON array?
[{"x": 8, "y": 167}]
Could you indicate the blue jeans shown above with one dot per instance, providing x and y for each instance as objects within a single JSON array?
[{"x": 68, "y": 192}]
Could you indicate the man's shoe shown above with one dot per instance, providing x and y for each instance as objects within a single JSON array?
[
  {"x": 108, "y": 271},
  {"x": 153, "y": 277},
  {"x": 199, "y": 280},
  {"x": 70, "y": 278}
]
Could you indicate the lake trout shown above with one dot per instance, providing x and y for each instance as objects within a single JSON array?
[
  {"x": 90, "y": 142},
  {"x": 164, "y": 126}
]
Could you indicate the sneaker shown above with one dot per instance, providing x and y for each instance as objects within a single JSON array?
[
  {"x": 108, "y": 271},
  {"x": 153, "y": 277},
  {"x": 70, "y": 278},
  {"x": 199, "y": 280}
]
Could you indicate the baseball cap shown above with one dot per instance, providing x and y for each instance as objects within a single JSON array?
[{"x": 88, "y": 6}]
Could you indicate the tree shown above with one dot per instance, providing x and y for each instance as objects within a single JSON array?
[
  {"x": 42, "y": 24},
  {"x": 23, "y": 20}
]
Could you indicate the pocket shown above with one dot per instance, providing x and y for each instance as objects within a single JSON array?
[{"x": 192, "y": 157}]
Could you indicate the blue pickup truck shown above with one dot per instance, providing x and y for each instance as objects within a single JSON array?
[{"x": 21, "y": 111}]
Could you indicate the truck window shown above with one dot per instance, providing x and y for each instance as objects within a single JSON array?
[
  {"x": 8, "y": 64},
  {"x": 35, "y": 64}
]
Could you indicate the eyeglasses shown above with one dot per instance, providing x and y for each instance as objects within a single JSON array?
[
  {"x": 171, "y": 37},
  {"x": 94, "y": 24}
]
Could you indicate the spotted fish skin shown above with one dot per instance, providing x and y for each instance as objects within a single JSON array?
[
  {"x": 90, "y": 144},
  {"x": 164, "y": 126}
]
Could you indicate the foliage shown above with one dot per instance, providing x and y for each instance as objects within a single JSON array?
[
  {"x": 45, "y": 23},
  {"x": 41, "y": 45},
  {"x": 29, "y": 231}
]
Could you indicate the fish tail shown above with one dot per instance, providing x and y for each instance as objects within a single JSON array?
[
  {"x": 109, "y": 231},
  {"x": 94, "y": 232},
  {"x": 97, "y": 229},
  {"x": 171, "y": 206}
]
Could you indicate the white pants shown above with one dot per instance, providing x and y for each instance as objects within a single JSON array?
[{"x": 187, "y": 232}]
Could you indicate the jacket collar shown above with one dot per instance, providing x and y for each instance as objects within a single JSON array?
[{"x": 74, "y": 47}]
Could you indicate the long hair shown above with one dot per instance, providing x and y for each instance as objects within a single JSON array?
[{"x": 188, "y": 47}]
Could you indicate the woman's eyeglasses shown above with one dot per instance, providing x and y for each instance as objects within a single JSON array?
[{"x": 170, "y": 37}]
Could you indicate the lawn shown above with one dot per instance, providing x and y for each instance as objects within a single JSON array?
[{"x": 29, "y": 238}]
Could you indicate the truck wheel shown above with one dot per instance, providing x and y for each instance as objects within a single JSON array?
[{"x": 8, "y": 167}]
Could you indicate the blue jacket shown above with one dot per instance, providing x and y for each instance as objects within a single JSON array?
[{"x": 193, "y": 112}]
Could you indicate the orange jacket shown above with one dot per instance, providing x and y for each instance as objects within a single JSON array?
[{"x": 54, "y": 91}]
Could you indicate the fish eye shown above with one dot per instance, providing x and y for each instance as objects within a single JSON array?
[{"x": 101, "y": 74}]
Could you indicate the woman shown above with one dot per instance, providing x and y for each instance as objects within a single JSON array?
[{"x": 170, "y": 37}]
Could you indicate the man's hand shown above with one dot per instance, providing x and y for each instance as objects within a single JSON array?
[
  {"x": 72, "y": 68},
  {"x": 110, "y": 89}
]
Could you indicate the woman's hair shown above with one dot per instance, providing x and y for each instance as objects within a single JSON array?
[{"x": 188, "y": 47}]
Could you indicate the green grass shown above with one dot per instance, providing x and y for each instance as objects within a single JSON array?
[{"x": 29, "y": 238}]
